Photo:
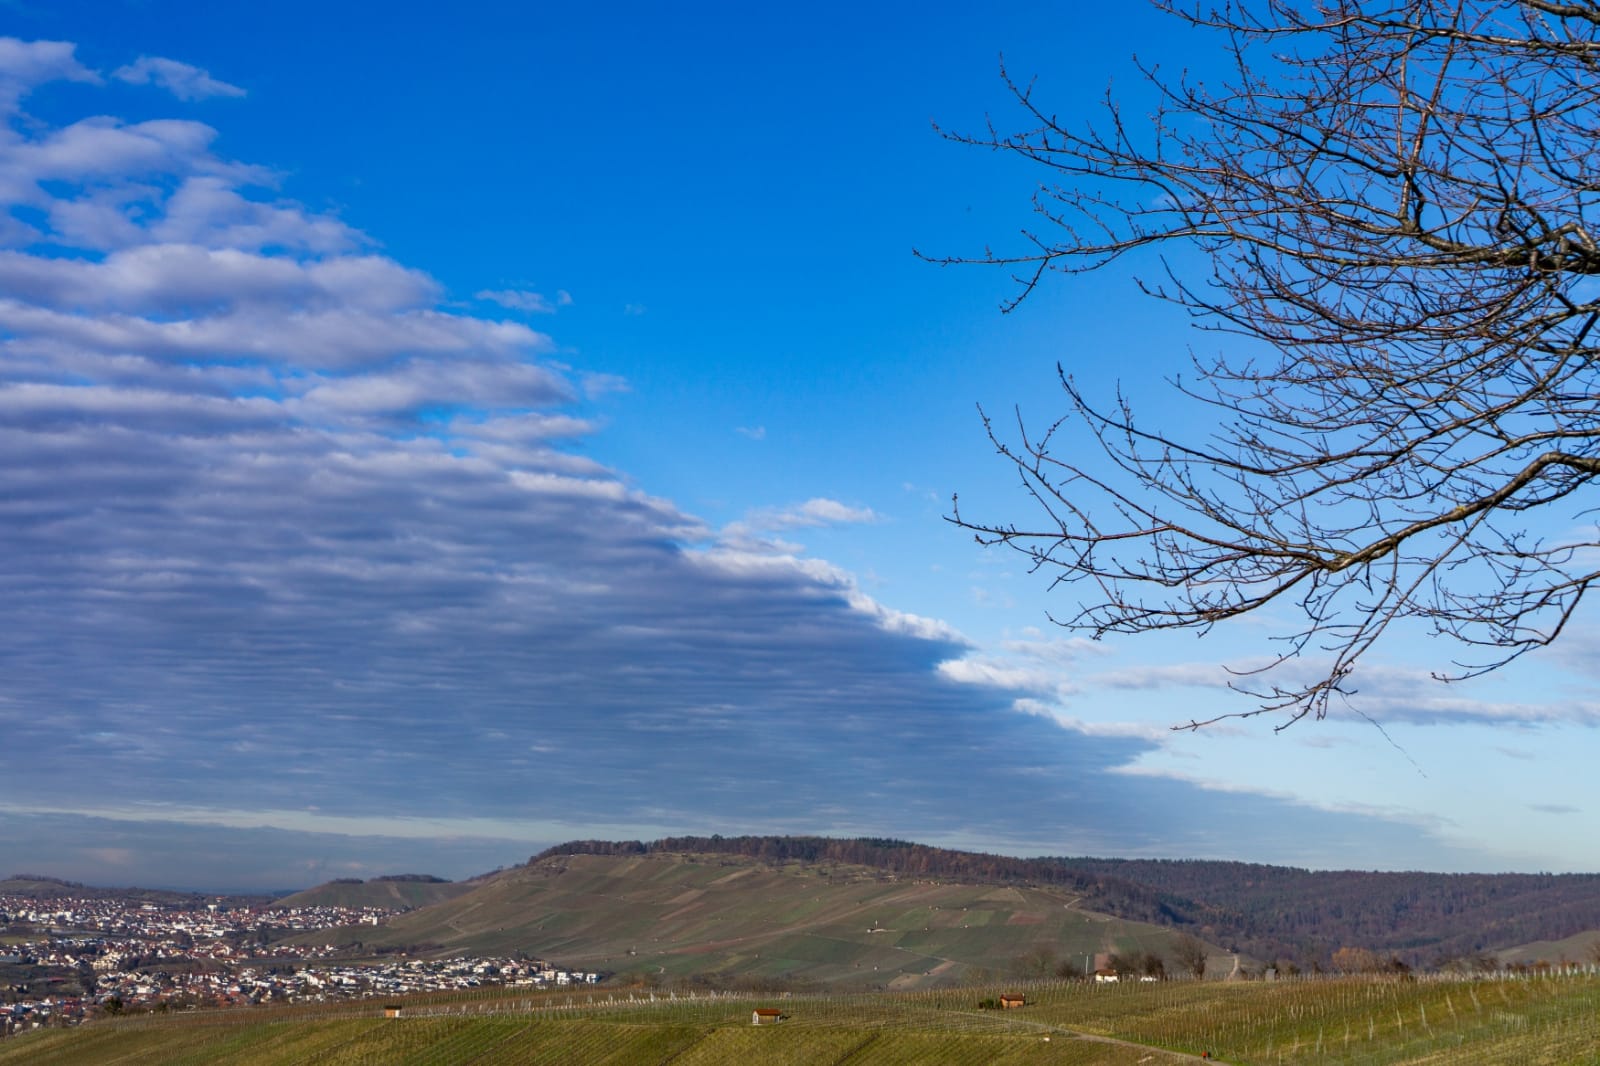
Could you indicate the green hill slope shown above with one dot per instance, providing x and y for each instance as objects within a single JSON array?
[
  {"x": 393, "y": 893},
  {"x": 676, "y": 915}
]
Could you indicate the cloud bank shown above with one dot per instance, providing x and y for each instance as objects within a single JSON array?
[{"x": 282, "y": 528}]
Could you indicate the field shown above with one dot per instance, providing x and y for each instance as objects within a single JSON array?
[{"x": 1540, "y": 1020}]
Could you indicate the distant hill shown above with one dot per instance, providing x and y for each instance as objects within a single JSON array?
[
  {"x": 398, "y": 892},
  {"x": 1266, "y": 912},
  {"x": 735, "y": 916},
  {"x": 41, "y": 887}
]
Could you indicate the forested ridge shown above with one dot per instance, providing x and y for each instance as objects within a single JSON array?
[
  {"x": 1270, "y": 912},
  {"x": 1421, "y": 916}
]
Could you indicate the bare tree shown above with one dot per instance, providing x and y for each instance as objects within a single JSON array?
[
  {"x": 1040, "y": 961},
  {"x": 1191, "y": 953},
  {"x": 1356, "y": 960},
  {"x": 1394, "y": 197}
]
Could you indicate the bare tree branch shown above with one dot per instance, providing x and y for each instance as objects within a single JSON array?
[{"x": 1396, "y": 199}]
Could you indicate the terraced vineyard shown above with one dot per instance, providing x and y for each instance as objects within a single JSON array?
[
  {"x": 679, "y": 915},
  {"x": 1546, "y": 1020}
]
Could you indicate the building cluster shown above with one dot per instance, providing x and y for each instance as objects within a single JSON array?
[
  {"x": 114, "y": 917},
  {"x": 45, "y": 1011},
  {"x": 320, "y": 982},
  {"x": 64, "y": 959}
]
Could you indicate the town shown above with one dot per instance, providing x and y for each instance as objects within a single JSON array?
[{"x": 66, "y": 959}]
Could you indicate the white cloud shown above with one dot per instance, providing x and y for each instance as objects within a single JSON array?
[
  {"x": 167, "y": 279},
  {"x": 527, "y": 300},
  {"x": 36, "y": 403},
  {"x": 106, "y": 150},
  {"x": 529, "y": 427},
  {"x": 1388, "y": 693},
  {"x": 1009, "y": 676},
  {"x": 1032, "y": 643},
  {"x": 818, "y": 511},
  {"x": 419, "y": 384},
  {"x": 211, "y": 210},
  {"x": 768, "y": 560},
  {"x": 1164, "y": 675},
  {"x": 738, "y": 561},
  {"x": 904, "y": 622},
  {"x": 335, "y": 337},
  {"x": 27, "y": 64},
  {"x": 1032, "y": 662},
  {"x": 1377, "y": 692},
  {"x": 180, "y": 79},
  {"x": 1134, "y": 730}
]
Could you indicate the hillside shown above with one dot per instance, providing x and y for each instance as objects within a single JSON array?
[
  {"x": 674, "y": 915},
  {"x": 1273, "y": 911},
  {"x": 1268, "y": 912},
  {"x": 40, "y": 887},
  {"x": 899, "y": 858},
  {"x": 394, "y": 893}
]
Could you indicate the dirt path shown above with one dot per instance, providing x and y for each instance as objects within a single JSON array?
[{"x": 1153, "y": 1053}]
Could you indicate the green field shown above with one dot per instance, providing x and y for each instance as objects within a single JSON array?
[{"x": 1545, "y": 1020}]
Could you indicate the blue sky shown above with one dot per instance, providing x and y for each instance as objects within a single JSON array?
[{"x": 428, "y": 438}]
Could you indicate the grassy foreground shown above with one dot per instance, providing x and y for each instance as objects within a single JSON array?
[{"x": 1553, "y": 1020}]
